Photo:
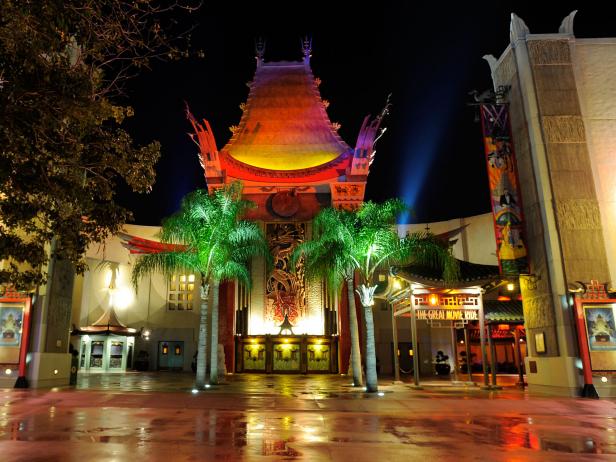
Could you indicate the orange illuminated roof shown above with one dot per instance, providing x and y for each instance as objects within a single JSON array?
[{"x": 284, "y": 126}]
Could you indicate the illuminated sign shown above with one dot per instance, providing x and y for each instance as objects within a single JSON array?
[{"x": 447, "y": 315}]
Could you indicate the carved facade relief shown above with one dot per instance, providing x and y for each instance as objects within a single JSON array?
[{"x": 285, "y": 287}]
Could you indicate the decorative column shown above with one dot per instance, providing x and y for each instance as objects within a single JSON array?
[{"x": 394, "y": 330}]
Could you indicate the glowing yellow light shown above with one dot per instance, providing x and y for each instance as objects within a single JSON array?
[
  {"x": 281, "y": 160},
  {"x": 411, "y": 352},
  {"x": 317, "y": 347},
  {"x": 286, "y": 346},
  {"x": 286, "y": 340},
  {"x": 510, "y": 286},
  {"x": 8, "y": 371},
  {"x": 397, "y": 285},
  {"x": 123, "y": 297},
  {"x": 604, "y": 379},
  {"x": 55, "y": 372},
  {"x": 433, "y": 299}
]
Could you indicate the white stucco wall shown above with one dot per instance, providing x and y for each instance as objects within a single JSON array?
[
  {"x": 595, "y": 73},
  {"x": 142, "y": 308},
  {"x": 476, "y": 243}
]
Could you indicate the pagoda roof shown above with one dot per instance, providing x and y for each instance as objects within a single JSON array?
[
  {"x": 107, "y": 324},
  {"x": 503, "y": 311},
  {"x": 285, "y": 128},
  {"x": 471, "y": 274}
]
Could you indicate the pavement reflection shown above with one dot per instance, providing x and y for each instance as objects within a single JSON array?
[{"x": 157, "y": 417}]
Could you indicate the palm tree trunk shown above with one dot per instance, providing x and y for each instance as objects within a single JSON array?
[
  {"x": 202, "y": 346},
  {"x": 366, "y": 296},
  {"x": 372, "y": 382},
  {"x": 354, "y": 329},
  {"x": 214, "y": 335}
]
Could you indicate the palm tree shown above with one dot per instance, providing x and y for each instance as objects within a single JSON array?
[
  {"x": 365, "y": 241},
  {"x": 329, "y": 256},
  {"x": 207, "y": 237}
]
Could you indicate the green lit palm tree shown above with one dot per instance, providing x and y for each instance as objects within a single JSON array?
[
  {"x": 364, "y": 242},
  {"x": 329, "y": 256},
  {"x": 207, "y": 237}
]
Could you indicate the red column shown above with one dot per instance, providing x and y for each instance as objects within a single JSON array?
[
  {"x": 25, "y": 338},
  {"x": 589, "y": 389},
  {"x": 226, "y": 317}
]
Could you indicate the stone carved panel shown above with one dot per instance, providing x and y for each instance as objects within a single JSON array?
[
  {"x": 549, "y": 51},
  {"x": 538, "y": 311},
  {"x": 578, "y": 214},
  {"x": 563, "y": 129},
  {"x": 60, "y": 304}
]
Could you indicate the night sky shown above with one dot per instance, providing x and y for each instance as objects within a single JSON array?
[{"x": 428, "y": 57}]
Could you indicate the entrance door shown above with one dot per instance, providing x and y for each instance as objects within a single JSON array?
[
  {"x": 406, "y": 358},
  {"x": 170, "y": 355}
]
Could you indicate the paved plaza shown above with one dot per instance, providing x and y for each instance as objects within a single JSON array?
[{"x": 157, "y": 417}]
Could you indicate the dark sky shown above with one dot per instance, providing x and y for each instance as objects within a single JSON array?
[{"x": 428, "y": 56}]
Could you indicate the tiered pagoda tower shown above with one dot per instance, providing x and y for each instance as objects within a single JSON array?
[{"x": 292, "y": 162}]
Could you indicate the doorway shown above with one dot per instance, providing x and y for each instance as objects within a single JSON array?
[{"x": 170, "y": 355}]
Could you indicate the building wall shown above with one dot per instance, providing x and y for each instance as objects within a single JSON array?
[
  {"x": 145, "y": 307},
  {"x": 595, "y": 68},
  {"x": 475, "y": 243},
  {"x": 557, "y": 95}
]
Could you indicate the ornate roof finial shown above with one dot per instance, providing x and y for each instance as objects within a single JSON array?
[
  {"x": 566, "y": 27},
  {"x": 307, "y": 49},
  {"x": 518, "y": 30},
  {"x": 259, "y": 50}
]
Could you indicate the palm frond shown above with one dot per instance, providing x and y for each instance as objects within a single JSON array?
[
  {"x": 167, "y": 263},
  {"x": 218, "y": 244}
]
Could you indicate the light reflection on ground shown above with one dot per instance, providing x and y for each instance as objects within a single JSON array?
[{"x": 309, "y": 418}]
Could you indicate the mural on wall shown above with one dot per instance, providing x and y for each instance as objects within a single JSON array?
[
  {"x": 318, "y": 358},
  {"x": 285, "y": 289},
  {"x": 286, "y": 357},
  {"x": 601, "y": 335},
  {"x": 254, "y": 358},
  {"x": 504, "y": 189},
  {"x": 11, "y": 319}
]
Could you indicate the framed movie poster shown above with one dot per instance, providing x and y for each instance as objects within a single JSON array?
[
  {"x": 601, "y": 335},
  {"x": 11, "y": 323}
]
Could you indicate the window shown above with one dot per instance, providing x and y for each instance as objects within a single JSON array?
[{"x": 181, "y": 292}]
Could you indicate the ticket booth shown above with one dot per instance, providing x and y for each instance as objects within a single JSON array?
[{"x": 107, "y": 345}]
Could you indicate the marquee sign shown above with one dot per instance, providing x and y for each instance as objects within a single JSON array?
[
  {"x": 440, "y": 314},
  {"x": 446, "y": 307}
]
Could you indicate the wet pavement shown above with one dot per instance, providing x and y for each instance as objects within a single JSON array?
[{"x": 154, "y": 417}]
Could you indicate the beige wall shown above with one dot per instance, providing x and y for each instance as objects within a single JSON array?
[
  {"x": 476, "y": 243},
  {"x": 595, "y": 73},
  {"x": 142, "y": 308}
]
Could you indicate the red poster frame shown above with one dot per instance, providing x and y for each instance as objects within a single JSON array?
[
  {"x": 26, "y": 299},
  {"x": 583, "y": 340}
]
